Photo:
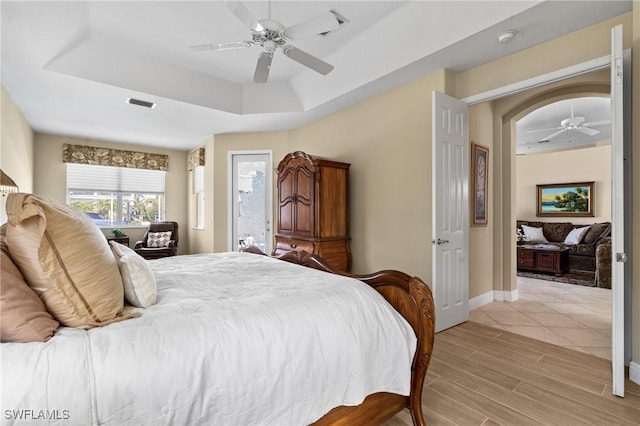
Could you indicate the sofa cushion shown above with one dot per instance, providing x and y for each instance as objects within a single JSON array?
[
  {"x": 596, "y": 232},
  {"x": 66, "y": 260},
  {"x": 582, "y": 249},
  {"x": 533, "y": 235},
  {"x": 576, "y": 235},
  {"x": 519, "y": 224},
  {"x": 557, "y": 232}
]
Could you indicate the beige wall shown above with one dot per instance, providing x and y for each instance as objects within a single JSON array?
[
  {"x": 16, "y": 152},
  {"x": 580, "y": 165},
  {"x": 51, "y": 179},
  {"x": 480, "y": 237},
  {"x": 387, "y": 141}
]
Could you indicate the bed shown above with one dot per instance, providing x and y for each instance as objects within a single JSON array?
[{"x": 235, "y": 339}]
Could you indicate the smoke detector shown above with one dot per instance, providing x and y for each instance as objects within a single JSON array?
[{"x": 506, "y": 37}]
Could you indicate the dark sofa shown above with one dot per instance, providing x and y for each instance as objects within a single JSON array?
[{"x": 587, "y": 255}]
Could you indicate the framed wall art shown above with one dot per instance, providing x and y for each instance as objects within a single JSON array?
[
  {"x": 566, "y": 199},
  {"x": 479, "y": 184}
]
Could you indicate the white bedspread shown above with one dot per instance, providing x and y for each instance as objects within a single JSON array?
[{"x": 227, "y": 344}]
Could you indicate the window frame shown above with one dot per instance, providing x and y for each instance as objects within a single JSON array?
[{"x": 119, "y": 196}]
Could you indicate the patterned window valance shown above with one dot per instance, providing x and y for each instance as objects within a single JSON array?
[
  {"x": 196, "y": 158},
  {"x": 82, "y": 154}
]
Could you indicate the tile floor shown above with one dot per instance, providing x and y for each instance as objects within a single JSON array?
[{"x": 568, "y": 315}]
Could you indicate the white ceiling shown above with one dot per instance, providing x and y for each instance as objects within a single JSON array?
[
  {"x": 534, "y": 130},
  {"x": 70, "y": 66}
]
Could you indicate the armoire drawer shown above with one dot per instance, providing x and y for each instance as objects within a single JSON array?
[{"x": 284, "y": 245}]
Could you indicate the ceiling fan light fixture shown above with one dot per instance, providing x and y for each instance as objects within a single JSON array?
[{"x": 506, "y": 36}]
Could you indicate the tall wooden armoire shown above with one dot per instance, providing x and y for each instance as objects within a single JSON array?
[{"x": 313, "y": 208}]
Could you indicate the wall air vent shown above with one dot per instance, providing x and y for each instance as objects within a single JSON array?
[
  {"x": 141, "y": 103},
  {"x": 341, "y": 22}
]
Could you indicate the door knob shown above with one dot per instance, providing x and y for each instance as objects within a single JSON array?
[{"x": 439, "y": 241}]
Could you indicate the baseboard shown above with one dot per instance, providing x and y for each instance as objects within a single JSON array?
[
  {"x": 481, "y": 300},
  {"x": 491, "y": 296},
  {"x": 505, "y": 296},
  {"x": 634, "y": 372}
]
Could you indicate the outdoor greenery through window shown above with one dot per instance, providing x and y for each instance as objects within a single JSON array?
[{"x": 116, "y": 196}]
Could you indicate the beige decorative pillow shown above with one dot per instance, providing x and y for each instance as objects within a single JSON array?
[
  {"x": 140, "y": 288},
  {"x": 66, "y": 260},
  {"x": 158, "y": 239},
  {"x": 23, "y": 317}
]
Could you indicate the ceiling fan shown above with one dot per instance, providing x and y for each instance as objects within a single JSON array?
[
  {"x": 572, "y": 123},
  {"x": 271, "y": 35}
]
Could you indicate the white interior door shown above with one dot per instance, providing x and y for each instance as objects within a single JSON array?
[
  {"x": 450, "y": 231},
  {"x": 620, "y": 209},
  {"x": 250, "y": 200}
]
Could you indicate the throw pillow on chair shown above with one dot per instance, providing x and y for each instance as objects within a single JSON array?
[{"x": 158, "y": 239}]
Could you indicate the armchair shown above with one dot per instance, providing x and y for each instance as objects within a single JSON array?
[{"x": 145, "y": 249}]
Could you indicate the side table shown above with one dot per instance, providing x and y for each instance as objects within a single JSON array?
[{"x": 122, "y": 240}]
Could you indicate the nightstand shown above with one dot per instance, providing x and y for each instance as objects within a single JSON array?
[{"x": 124, "y": 240}]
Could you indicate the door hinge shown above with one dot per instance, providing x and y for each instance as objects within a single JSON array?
[
  {"x": 618, "y": 70},
  {"x": 621, "y": 257}
]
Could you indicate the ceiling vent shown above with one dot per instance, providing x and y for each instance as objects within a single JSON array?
[
  {"x": 341, "y": 22},
  {"x": 139, "y": 102}
]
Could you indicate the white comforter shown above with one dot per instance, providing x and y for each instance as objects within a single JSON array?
[{"x": 235, "y": 339}]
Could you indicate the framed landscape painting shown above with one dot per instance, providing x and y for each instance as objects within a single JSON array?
[{"x": 566, "y": 199}]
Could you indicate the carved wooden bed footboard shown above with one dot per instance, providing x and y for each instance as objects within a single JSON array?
[{"x": 412, "y": 298}]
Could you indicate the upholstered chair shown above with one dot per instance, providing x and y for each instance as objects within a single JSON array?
[{"x": 157, "y": 243}]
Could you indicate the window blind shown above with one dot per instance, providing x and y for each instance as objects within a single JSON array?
[
  {"x": 88, "y": 177},
  {"x": 198, "y": 179}
]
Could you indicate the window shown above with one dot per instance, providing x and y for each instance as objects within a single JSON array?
[
  {"x": 198, "y": 189},
  {"x": 116, "y": 196}
]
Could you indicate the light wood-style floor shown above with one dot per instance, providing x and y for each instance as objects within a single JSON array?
[{"x": 481, "y": 375}]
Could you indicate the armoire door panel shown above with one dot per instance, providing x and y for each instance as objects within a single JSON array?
[
  {"x": 304, "y": 185},
  {"x": 285, "y": 218},
  {"x": 286, "y": 185},
  {"x": 304, "y": 220}
]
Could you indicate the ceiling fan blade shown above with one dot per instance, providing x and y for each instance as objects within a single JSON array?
[
  {"x": 553, "y": 135},
  {"x": 320, "y": 24},
  {"x": 222, "y": 46},
  {"x": 244, "y": 15},
  {"x": 546, "y": 130},
  {"x": 263, "y": 67},
  {"x": 309, "y": 61},
  {"x": 587, "y": 130},
  {"x": 597, "y": 123}
]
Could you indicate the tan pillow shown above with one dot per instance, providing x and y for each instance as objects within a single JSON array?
[
  {"x": 66, "y": 260},
  {"x": 23, "y": 317}
]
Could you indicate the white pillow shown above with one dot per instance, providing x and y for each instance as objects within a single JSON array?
[
  {"x": 534, "y": 235},
  {"x": 575, "y": 236},
  {"x": 140, "y": 288}
]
